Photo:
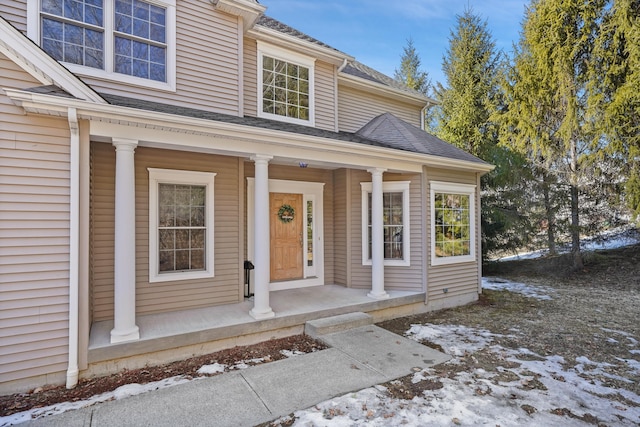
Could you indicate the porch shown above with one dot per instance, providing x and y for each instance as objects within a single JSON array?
[{"x": 166, "y": 337}]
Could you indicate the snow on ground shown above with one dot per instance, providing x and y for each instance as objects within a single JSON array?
[
  {"x": 125, "y": 391},
  {"x": 532, "y": 291},
  {"x": 121, "y": 392},
  {"x": 524, "y": 395},
  {"x": 612, "y": 239}
]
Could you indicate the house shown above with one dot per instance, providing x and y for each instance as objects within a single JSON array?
[{"x": 161, "y": 159}]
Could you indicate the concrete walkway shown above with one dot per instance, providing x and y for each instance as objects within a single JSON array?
[{"x": 358, "y": 358}]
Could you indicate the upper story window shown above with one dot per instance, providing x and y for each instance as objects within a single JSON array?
[
  {"x": 131, "y": 41},
  {"x": 395, "y": 222},
  {"x": 285, "y": 85},
  {"x": 452, "y": 219}
]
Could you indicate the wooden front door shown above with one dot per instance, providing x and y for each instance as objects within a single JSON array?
[{"x": 286, "y": 236}]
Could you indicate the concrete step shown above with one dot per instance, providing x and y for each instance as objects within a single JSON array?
[{"x": 342, "y": 322}]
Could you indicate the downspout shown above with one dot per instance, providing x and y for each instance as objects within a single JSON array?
[{"x": 74, "y": 248}]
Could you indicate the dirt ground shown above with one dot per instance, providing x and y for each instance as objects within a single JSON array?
[{"x": 606, "y": 294}]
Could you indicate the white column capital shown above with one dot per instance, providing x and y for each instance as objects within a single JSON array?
[
  {"x": 376, "y": 171},
  {"x": 261, "y": 158},
  {"x": 124, "y": 143}
]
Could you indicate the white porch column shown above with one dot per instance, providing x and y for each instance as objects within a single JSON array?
[
  {"x": 261, "y": 239},
  {"x": 124, "y": 317},
  {"x": 377, "y": 236}
]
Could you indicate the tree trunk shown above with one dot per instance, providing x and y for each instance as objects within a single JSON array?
[
  {"x": 575, "y": 217},
  {"x": 550, "y": 217}
]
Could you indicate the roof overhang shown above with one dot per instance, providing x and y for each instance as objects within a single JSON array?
[
  {"x": 21, "y": 50},
  {"x": 277, "y": 38},
  {"x": 249, "y": 10},
  {"x": 161, "y": 129},
  {"x": 379, "y": 89}
]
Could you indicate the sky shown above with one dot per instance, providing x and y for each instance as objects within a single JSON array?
[{"x": 376, "y": 31}]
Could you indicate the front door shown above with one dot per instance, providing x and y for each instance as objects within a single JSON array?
[{"x": 286, "y": 236}]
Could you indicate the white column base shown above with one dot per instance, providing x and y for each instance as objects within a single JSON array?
[
  {"x": 376, "y": 295},
  {"x": 261, "y": 315},
  {"x": 126, "y": 335}
]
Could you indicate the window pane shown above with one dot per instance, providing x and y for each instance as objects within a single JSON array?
[
  {"x": 282, "y": 83},
  {"x": 392, "y": 208},
  {"x": 182, "y": 260},
  {"x": 166, "y": 261},
  {"x": 75, "y": 42},
  {"x": 309, "y": 233},
  {"x": 181, "y": 222},
  {"x": 452, "y": 228},
  {"x": 141, "y": 58}
]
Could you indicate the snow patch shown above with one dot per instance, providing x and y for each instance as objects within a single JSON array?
[
  {"x": 213, "y": 369},
  {"x": 531, "y": 291}
]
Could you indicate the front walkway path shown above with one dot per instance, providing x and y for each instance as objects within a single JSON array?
[{"x": 358, "y": 358}]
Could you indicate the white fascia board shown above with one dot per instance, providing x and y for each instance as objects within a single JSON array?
[
  {"x": 21, "y": 50},
  {"x": 289, "y": 42},
  {"x": 249, "y": 10},
  {"x": 153, "y": 127},
  {"x": 377, "y": 88}
]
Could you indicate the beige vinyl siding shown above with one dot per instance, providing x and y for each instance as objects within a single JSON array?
[
  {"x": 15, "y": 12},
  {"x": 250, "y": 80},
  {"x": 224, "y": 288},
  {"x": 341, "y": 229},
  {"x": 356, "y": 108},
  {"x": 34, "y": 237},
  {"x": 310, "y": 175},
  {"x": 457, "y": 279},
  {"x": 325, "y": 96},
  {"x": 395, "y": 277}
]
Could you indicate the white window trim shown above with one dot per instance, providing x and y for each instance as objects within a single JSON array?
[
  {"x": 265, "y": 49},
  {"x": 390, "y": 186},
  {"x": 169, "y": 176},
  {"x": 463, "y": 189},
  {"x": 34, "y": 31}
]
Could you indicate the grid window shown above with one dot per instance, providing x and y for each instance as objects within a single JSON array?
[
  {"x": 72, "y": 31},
  {"x": 140, "y": 37},
  {"x": 392, "y": 211},
  {"x": 285, "y": 89},
  {"x": 135, "y": 33},
  {"x": 453, "y": 219},
  {"x": 181, "y": 227},
  {"x": 395, "y": 223},
  {"x": 452, "y": 225}
]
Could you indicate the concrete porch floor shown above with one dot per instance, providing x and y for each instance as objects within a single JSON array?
[{"x": 231, "y": 324}]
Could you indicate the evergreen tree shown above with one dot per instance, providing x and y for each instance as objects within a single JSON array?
[
  {"x": 410, "y": 73},
  {"x": 472, "y": 69},
  {"x": 547, "y": 96},
  {"x": 614, "y": 91}
]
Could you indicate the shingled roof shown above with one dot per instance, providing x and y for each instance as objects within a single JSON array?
[
  {"x": 390, "y": 130},
  {"x": 274, "y": 24},
  {"x": 385, "y": 130}
]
